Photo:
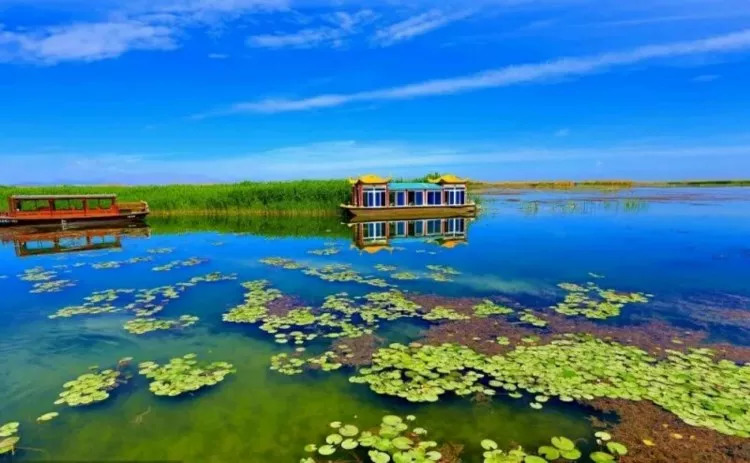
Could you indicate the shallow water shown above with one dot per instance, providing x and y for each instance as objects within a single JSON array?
[{"x": 677, "y": 244}]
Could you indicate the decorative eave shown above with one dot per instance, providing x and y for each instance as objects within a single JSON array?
[
  {"x": 448, "y": 179},
  {"x": 370, "y": 179}
]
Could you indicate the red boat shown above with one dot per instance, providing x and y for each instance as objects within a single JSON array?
[{"x": 70, "y": 210}]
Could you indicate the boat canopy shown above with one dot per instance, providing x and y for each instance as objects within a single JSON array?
[
  {"x": 47, "y": 197},
  {"x": 412, "y": 186}
]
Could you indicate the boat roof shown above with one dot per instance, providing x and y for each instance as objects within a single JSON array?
[
  {"x": 37, "y": 197},
  {"x": 401, "y": 186},
  {"x": 369, "y": 179},
  {"x": 449, "y": 179}
]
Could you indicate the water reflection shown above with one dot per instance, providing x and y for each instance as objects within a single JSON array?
[
  {"x": 447, "y": 232},
  {"x": 39, "y": 241}
]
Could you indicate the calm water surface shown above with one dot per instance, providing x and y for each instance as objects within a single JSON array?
[{"x": 677, "y": 244}]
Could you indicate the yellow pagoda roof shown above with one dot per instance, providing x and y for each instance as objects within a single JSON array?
[
  {"x": 448, "y": 178},
  {"x": 369, "y": 179}
]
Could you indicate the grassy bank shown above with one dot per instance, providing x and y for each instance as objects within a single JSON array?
[{"x": 303, "y": 197}]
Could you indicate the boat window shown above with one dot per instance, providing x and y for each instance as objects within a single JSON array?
[
  {"x": 374, "y": 230},
  {"x": 374, "y": 198},
  {"x": 418, "y": 198},
  {"x": 434, "y": 197}
]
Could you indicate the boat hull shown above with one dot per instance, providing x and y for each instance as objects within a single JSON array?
[
  {"x": 365, "y": 214},
  {"x": 68, "y": 222}
]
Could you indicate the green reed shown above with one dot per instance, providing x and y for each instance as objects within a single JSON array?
[{"x": 314, "y": 197}]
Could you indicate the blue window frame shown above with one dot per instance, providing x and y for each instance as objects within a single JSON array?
[
  {"x": 400, "y": 198},
  {"x": 418, "y": 198},
  {"x": 434, "y": 198}
]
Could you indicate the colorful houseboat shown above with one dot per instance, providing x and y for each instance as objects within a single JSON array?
[
  {"x": 375, "y": 236},
  {"x": 67, "y": 210},
  {"x": 375, "y": 197}
]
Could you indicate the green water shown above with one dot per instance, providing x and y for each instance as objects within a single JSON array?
[{"x": 671, "y": 246}]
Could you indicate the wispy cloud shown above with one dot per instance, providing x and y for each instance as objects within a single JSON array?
[
  {"x": 562, "y": 132},
  {"x": 137, "y": 25},
  {"x": 417, "y": 25},
  {"x": 340, "y": 25},
  {"x": 703, "y": 78},
  {"x": 84, "y": 42},
  {"x": 507, "y": 76}
]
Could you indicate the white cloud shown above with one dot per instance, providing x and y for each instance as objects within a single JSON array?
[
  {"x": 218, "y": 56},
  {"x": 562, "y": 132},
  {"x": 342, "y": 25},
  {"x": 85, "y": 41},
  {"x": 305, "y": 38},
  {"x": 135, "y": 25},
  {"x": 507, "y": 76},
  {"x": 417, "y": 25}
]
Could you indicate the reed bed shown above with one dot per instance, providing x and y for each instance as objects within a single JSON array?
[{"x": 299, "y": 197}]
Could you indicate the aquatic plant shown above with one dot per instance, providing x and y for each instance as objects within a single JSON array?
[
  {"x": 692, "y": 386},
  {"x": 404, "y": 276},
  {"x": 8, "y": 437},
  {"x": 532, "y": 319},
  {"x": 287, "y": 364},
  {"x": 385, "y": 268},
  {"x": 47, "y": 417},
  {"x": 288, "y": 264},
  {"x": 488, "y": 308},
  {"x": 160, "y": 250},
  {"x": 147, "y": 325},
  {"x": 326, "y": 251},
  {"x": 591, "y": 301},
  {"x": 561, "y": 448},
  {"x": 330, "y": 272},
  {"x": 145, "y": 302},
  {"x": 119, "y": 263},
  {"x": 444, "y": 313},
  {"x": 192, "y": 261},
  {"x": 37, "y": 274},
  {"x": 443, "y": 269},
  {"x": 393, "y": 441},
  {"x": 183, "y": 374},
  {"x": 256, "y": 299},
  {"x": 52, "y": 286},
  {"x": 440, "y": 277},
  {"x": 89, "y": 388}
]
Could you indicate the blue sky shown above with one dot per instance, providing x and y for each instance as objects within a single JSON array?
[{"x": 167, "y": 91}]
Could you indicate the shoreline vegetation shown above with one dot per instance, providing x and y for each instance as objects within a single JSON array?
[{"x": 309, "y": 198}]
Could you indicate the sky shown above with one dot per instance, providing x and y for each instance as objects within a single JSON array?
[{"x": 171, "y": 91}]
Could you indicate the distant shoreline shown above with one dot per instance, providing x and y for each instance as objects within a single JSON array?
[
  {"x": 608, "y": 184},
  {"x": 304, "y": 198}
]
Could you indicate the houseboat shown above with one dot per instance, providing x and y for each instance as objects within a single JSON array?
[
  {"x": 447, "y": 232},
  {"x": 70, "y": 210},
  {"x": 375, "y": 197}
]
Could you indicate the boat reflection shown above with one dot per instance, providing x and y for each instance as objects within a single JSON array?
[
  {"x": 30, "y": 241},
  {"x": 372, "y": 237}
]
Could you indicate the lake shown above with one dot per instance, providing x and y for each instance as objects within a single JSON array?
[{"x": 677, "y": 262}]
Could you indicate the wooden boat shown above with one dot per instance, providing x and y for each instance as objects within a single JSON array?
[
  {"x": 378, "y": 198},
  {"x": 71, "y": 210}
]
